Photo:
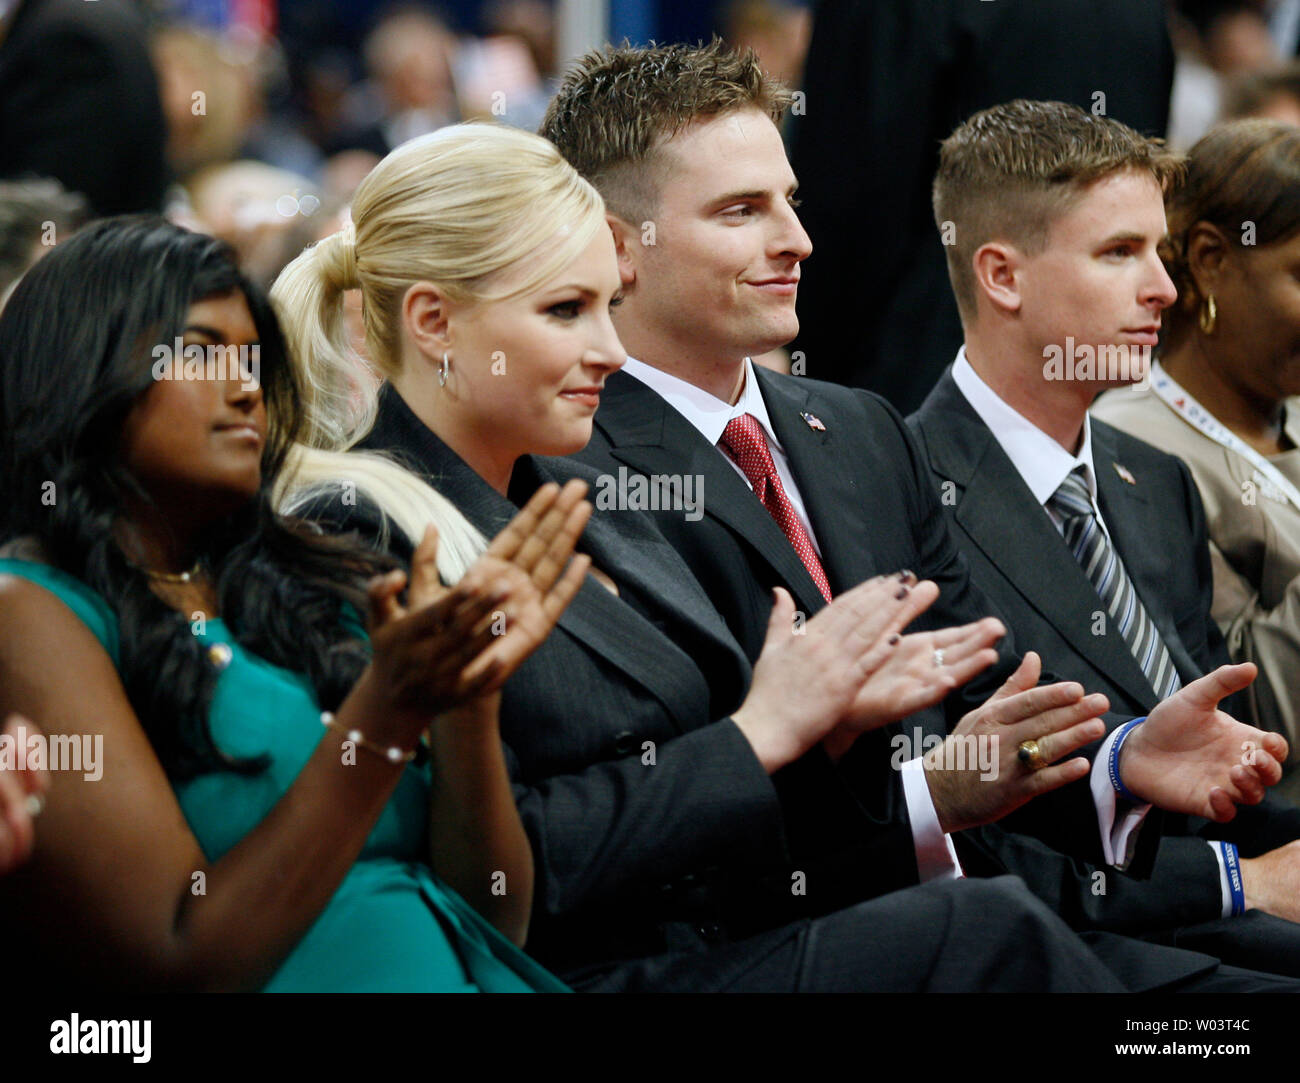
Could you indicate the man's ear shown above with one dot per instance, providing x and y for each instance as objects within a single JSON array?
[
  {"x": 1208, "y": 249},
  {"x": 627, "y": 246},
  {"x": 997, "y": 268},
  {"x": 426, "y": 319}
]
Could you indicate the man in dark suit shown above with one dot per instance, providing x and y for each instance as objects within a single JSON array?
[
  {"x": 79, "y": 102},
  {"x": 886, "y": 81},
  {"x": 1092, "y": 543},
  {"x": 709, "y": 250}
]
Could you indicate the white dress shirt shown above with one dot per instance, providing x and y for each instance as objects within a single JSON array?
[
  {"x": 1044, "y": 465},
  {"x": 936, "y": 857},
  {"x": 1039, "y": 459}
]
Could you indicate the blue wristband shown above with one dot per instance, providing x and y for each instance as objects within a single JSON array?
[
  {"x": 1233, "y": 865},
  {"x": 1113, "y": 763}
]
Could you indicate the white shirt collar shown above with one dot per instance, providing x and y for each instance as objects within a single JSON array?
[
  {"x": 1039, "y": 459},
  {"x": 708, "y": 413}
]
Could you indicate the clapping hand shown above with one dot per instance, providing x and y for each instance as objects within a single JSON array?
[
  {"x": 538, "y": 543},
  {"x": 450, "y": 644},
  {"x": 912, "y": 672},
  {"x": 1190, "y": 757},
  {"x": 809, "y": 675},
  {"x": 1059, "y": 717}
]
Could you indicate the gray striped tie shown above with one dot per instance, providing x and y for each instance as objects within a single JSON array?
[{"x": 1095, "y": 554}]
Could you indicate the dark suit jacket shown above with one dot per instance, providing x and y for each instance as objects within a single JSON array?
[
  {"x": 646, "y": 863},
  {"x": 79, "y": 102},
  {"x": 1020, "y": 560},
  {"x": 654, "y": 827},
  {"x": 874, "y": 509},
  {"x": 886, "y": 81}
]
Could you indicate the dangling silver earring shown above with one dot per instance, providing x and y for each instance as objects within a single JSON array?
[{"x": 444, "y": 367}]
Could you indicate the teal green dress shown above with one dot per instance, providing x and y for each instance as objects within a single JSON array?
[{"x": 392, "y": 925}]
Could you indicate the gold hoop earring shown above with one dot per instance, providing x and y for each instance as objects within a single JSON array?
[
  {"x": 444, "y": 367},
  {"x": 1209, "y": 314}
]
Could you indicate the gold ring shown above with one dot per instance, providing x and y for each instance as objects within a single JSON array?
[{"x": 1031, "y": 755}]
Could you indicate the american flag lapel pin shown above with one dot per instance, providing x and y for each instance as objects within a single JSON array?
[
  {"x": 814, "y": 422},
  {"x": 1125, "y": 473}
]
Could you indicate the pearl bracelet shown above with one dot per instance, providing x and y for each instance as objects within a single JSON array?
[{"x": 392, "y": 753}]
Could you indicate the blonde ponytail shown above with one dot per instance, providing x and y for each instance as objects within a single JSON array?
[
  {"x": 337, "y": 385},
  {"x": 339, "y": 401},
  {"x": 404, "y": 499}
]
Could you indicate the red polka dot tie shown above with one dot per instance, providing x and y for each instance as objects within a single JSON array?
[{"x": 744, "y": 441}]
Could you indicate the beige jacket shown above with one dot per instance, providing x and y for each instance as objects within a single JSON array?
[{"x": 1254, "y": 547}]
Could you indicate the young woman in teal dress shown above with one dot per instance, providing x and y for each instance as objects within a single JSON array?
[{"x": 267, "y": 797}]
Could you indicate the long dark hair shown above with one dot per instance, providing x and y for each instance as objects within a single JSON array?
[{"x": 76, "y": 344}]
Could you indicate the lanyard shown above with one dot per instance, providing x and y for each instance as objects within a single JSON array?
[{"x": 1272, "y": 482}]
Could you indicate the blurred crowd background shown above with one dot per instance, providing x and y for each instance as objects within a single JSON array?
[{"x": 255, "y": 119}]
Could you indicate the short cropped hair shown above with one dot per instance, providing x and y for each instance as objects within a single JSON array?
[
  {"x": 618, "y": 105},
  {"x": 1008, "y": 172}
]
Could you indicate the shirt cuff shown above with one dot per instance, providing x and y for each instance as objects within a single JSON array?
[
  {"x": 1119, "y": 830},
  {"x": 936, "y": 857},
  {"x": 1223, "y": 878}
]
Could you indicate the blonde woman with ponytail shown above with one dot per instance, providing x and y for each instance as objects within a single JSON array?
[
  {"x": 492, "y": 224},
  {"x": 640, "y": 742}
]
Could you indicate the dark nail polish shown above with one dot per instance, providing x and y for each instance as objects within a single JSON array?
[
  {"x": 902, "y": 593},
  {"x": 893, "y": 640}
]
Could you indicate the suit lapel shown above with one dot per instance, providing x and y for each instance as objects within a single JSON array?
[
  {"x": 655, "y": 569},
  {"x": 633, "y": 553},
  {"x": 652, "y": 438},
  {"x": 616, "y": 632},
  {"x": 606, "y": 625},
  {"x": 1000, "y": 515},
  {"x": 833, "y": 497}
]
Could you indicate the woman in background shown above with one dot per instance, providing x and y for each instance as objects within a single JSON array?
[
  {"x": 1222, "y": 394},
  {"x": 250, "y": 809}
]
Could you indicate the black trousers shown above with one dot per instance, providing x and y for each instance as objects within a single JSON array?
[
  {"x": 1255, "y": 940},
  {"x": 952, "y": 935},
  {"x": 972, "y": 935}
]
